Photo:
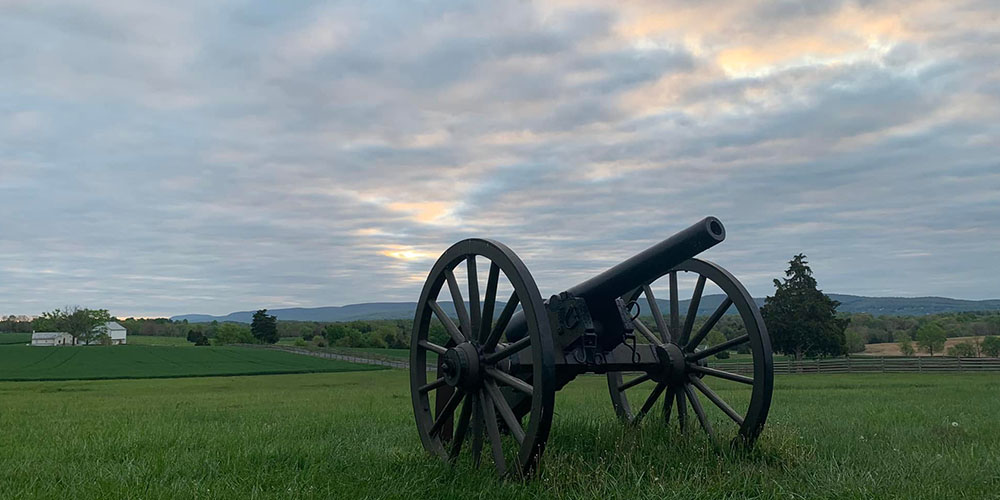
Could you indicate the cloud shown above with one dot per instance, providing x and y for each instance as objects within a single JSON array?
[{"x": 186, "y": 157}]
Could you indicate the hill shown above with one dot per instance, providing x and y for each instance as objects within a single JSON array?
[{"x": 878, "y": 306}]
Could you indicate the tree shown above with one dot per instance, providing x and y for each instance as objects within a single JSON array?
[
  {"x": 264, "y": 327},
  {"x": 906, "y": 346},
  {"x": 801, "y": 320},
  {"x": 85, "y": 325},
  {"x": 931, "y": 338},
  {"x": 233, "y": 333},
  {"x": 963, "y": 349},
  {"x": 991, "y": 346},
  {"x": 197, "y": 337},
  {"x": 855, "y": 342}
]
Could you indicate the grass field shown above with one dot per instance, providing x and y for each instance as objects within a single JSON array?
[
  {"x": 390, "y": 354},
  {"x": 15, "y": 338},
  {"x": 351, "y": 435},
  {"x": 159, "y": 340},
  {"x": 19, "y": 362}
]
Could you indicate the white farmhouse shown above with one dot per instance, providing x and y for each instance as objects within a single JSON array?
[
  {"x": 51, "y": 338},
  {"x": 116, "y": 332}
]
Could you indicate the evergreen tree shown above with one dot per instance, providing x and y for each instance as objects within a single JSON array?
[
  {"x": 264, "y": 327},
  {"x": 801, "y": 319}
]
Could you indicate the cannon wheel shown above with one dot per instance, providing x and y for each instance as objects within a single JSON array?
[
  {"x": 697, "y": 376},
  {"x": 473, "y": 366}
]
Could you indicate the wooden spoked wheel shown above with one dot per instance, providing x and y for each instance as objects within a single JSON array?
[
  {"x": 739, "y": 398},
  {"x": 476, "y": 366}
]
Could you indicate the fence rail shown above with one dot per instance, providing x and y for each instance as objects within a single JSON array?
[
  {"x": 833, "y": 365},
  {"x": 332, "y": 355},
  {"x": 874, "y": 365}
]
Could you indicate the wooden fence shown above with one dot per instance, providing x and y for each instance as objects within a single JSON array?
[{"x": 917, "y": 364}]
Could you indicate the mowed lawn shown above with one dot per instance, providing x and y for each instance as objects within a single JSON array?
[
  {"x": 351, "y": 435},
  {"x": 20, "y": 362}
]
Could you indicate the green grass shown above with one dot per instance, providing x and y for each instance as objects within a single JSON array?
[
  {"x": 351, "y": 435},
  {"x": 143, "y": 361},
  {"x": 158, "y": 340},
  {"x": 375, "y": 352},
  {"x": 15, "y": 338}
]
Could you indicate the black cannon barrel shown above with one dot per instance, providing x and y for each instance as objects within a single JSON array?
[
  {"x": 644, "y": 267},
  {"x": 652, "y": 262}
]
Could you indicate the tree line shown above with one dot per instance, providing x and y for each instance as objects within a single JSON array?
[{"x": 802, "y": 322}]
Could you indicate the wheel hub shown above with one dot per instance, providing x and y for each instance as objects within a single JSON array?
[
  {"x": 673, "y": 369},
  {"x": 460, "y": 366}
]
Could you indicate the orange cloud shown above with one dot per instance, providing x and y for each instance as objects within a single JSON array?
[{"x": 429, "y": 212}]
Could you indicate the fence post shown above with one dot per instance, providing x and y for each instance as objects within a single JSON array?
[
  {"x": 959, "y": 364},
  {"x": 920, "y": 366},
  {"x": 882, "y": 359}
]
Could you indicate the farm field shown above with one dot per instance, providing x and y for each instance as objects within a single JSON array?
[
  {"x": 20, "y": 362},
  {"x": 158, "y": 340},
  {"x": 15, "y": 338},
  {"x": 892, "y": 348},
  {"x": 351, "y": 435}
]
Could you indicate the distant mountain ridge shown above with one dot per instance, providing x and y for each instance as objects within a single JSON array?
[{"x": 892, "y": 306}]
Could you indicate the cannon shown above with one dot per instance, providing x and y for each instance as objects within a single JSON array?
[{"x": 494, "y": 378}]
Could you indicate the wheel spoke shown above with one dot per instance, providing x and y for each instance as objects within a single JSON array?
[
  {"x": 456, "y": 299},
  {"x": 501, "y": 324},
  {"x": 432, "y": 385},
  {"x": 654, "y": 308},
  {"x": 508, "y": 351},
  {"x": 430, "y": 346},
  {"x": 650, "y": 401},
  {"x": 505, "y": 412},
  {"x": 699, "y": 411},
  {"x": 719, "y": 348},
  {"x": 449, "y": 325},
  {"x": 510, "y": 380},
  {"x": 477, "y": 429},
  {"x": 634, "y": 382},
  {"x": 681, "y": 409},
  {"x": 699, "y": 288},
  {"x": 475, "y": 319},
  {"x": 713, "y": 397},
  {"x": 707, "y": 327},
  {"x": 447, "y": 411},
  {"x": 490, "y": 302},
  {"x": 721, "y": 374},
  {"x": 668, "y": 403},
  {"x": 490, "y": 417},
  {"x": 646, "y": 332},
  {"x": 463, "y": 427},
  {"x": 675, "y": 320}
]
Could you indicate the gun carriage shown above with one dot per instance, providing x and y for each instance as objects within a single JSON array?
[{"x": 494, "y": 380}]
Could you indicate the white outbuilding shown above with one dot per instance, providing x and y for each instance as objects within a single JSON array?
[
  {"x": 51, "y": 338},
  {"x": 116, "y": 332}
]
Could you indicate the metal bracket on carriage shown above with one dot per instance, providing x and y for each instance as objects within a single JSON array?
[{"x": 570, "y": 319}]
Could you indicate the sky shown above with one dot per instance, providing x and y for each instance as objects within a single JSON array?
[{"x": 161, "y": 158}]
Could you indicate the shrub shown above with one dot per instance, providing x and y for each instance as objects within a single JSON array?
[
  {"x": 232, "y": 333},
  {"x": 906, "y": 346},
  {"x": 300, "y": 342},
  {"x": 964, "y": 350},
  {"x": 991, "y": 346},
  {"x": 320, "y": 341},
  {"x": 722, "y": 355}
]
